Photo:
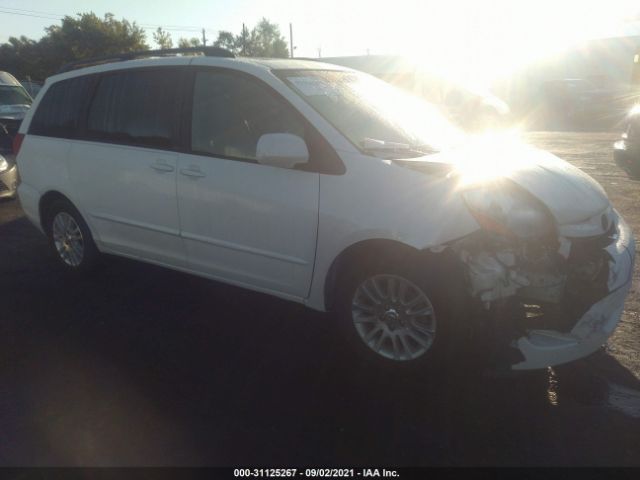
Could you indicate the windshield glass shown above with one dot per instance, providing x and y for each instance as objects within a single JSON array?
[
  {"x": 373, "y": 115},
  {"x": 14, "y": 96}
]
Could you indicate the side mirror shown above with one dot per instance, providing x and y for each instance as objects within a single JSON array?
[{"x": 283, "y": 150}]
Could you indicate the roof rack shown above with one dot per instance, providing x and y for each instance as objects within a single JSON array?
[{"x": 120, "y": 57}]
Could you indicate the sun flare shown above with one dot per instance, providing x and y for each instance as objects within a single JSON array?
[{"x": 478, "y": 42}]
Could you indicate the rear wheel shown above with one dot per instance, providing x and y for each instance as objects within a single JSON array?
[{"x": 70, "y": 237}]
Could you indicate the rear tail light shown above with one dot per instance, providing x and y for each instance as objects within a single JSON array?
[{"x": 17, "y": 142}]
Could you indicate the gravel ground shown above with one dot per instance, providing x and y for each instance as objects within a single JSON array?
[{"x": 144, "y": 366}]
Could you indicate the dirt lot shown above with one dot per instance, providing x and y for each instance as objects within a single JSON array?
[{"x": 144, "y": 366}]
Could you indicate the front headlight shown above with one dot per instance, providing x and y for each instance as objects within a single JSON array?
[
  {"x": 4, "y": 164},
  {"x": 505, "y": 208}
]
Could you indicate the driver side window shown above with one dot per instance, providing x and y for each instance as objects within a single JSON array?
[{"x": 230, "y": 113}]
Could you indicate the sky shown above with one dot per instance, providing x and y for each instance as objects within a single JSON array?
[{"x": 488, "y": 38}]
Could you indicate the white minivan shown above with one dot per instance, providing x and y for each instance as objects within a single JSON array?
[{"x": 324, "y": 186}]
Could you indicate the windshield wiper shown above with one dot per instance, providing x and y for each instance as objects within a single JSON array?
[{"x": 372, "y": 145}]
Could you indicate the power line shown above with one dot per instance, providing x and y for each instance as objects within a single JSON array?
[
  {"x": 57, "y": 16},
  {"x": 29, "y": 11},
  {"x": 30, "y": 15}
]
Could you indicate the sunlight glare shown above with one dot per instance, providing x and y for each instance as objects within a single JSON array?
[
  {"x": 489, "y": 157},
  {"x": 477, "y": 42}
]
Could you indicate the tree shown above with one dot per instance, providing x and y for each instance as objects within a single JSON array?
[
  {"x": 265, "y": 40},
  {"x": 163, "y": 39},
  {"x": 84, "y": 36},
  {"x": 21, "y": 57},
  {"x": 189, "y": 42},
  {"x": 226, "y": 40},
  {"x": 89, "y": 36}
]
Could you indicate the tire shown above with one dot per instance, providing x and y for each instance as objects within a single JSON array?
[
  {"x": 70, "y": 238},
  {"x": 408, "y": 344}
]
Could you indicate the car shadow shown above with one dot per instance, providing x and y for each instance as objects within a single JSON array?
[{"x": 138, "y": 364}]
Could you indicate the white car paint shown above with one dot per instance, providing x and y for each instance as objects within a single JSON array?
[
  {"x": 128, "y": 195},
  {"x": 250, "y": 224},
  {"x": 278, "y": 230}
]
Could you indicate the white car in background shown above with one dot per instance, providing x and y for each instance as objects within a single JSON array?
[
  {"x": 325, "y": 186},
  {"x": 14, "y": 103}
]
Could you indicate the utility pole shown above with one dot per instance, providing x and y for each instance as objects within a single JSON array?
[
  {"x": 291, "y": 38},
  {"x": 244, "y": 39},
  {"x": 204, "y": 39}
]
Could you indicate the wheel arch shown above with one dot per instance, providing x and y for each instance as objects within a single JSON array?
[
  {"x": 357, "y": 254},
  {"x": 48, "y": 199}
]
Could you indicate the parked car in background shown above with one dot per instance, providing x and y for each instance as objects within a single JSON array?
[
  {"x": 328, "y": 187},
  {"x": 581, "y": 103},
  {"x": 8, "y": 175},
  {"x": 473, "y": 109},
  {"x": 14, "y": 103},
  {"x": 14, "y": 99},
  {"x": 31, "y": 87},
  {"x": 573, "y": 97},
  {"x": 626, "y": 152}
]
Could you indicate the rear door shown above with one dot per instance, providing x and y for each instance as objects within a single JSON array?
[
  {"x": 242, "y": 222},
  {"x": 124, "y": 167}
]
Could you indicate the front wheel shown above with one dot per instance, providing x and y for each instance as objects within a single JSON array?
[
  {"x": 393, "y": 317},
  {"x": 399, "y": 317}
]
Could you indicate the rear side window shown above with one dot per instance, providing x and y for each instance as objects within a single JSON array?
[
  {"x": 136, "y": 107},
  {"x": 60, "y": 111}
]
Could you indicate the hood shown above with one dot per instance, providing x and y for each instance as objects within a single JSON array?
[{"x": 571, "y": 195}]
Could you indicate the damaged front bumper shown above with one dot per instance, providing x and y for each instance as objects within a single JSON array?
[{"x": 543, "y": 348}]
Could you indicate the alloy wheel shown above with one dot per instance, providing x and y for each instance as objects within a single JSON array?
[
  {"x": 67, "y": 238},
  {"x": 393, "y": 317}
]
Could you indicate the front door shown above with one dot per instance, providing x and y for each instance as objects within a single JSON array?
[{"x": 242, "y": 222}]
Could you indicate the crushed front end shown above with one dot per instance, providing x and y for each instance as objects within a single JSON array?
[{"x": 549, "y": 299}]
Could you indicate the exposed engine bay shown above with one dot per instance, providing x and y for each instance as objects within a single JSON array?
[
  {"x": 547, "y": 268},
  {"x": 544, "y": 283}
]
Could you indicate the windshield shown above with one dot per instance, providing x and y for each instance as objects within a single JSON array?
[
  {"x": 10, "y": 95},
  {"x": 375, "y": 116}
]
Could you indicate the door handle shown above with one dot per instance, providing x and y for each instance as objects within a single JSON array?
[
  {"x": 189, "y": 172},
  {"x": 162, "y": 167}
]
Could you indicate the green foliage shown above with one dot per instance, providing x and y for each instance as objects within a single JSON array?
[
  {"x": 226, "y": 40},
  {"x": 163, "y": 39},
  {"x": 189, "y": 42},
  {"x": 21, "y": 57},
  {"x": 84, "y": 36},
  {"x": 265, "y": 40}
]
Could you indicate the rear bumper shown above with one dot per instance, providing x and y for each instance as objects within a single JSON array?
[{"x": 544, "y": 348}]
